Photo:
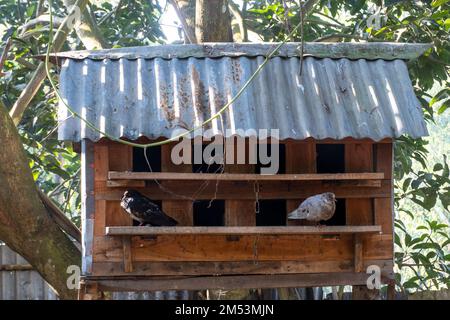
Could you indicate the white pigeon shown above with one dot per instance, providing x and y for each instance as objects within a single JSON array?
[{"x": 316, "y": 208}]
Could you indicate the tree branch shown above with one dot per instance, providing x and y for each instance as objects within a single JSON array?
[
  {"x": 87, "y": 30},
  {"x": 187, "y": 30},
  {"x": 240, "y": 20},
  {"x": 4, "y": 54},
  {"x": 60, "y": 218},
  {"x": 39, "y": 75}
]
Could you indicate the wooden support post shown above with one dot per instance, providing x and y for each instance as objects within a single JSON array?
[
  {"x": 127, "y": 256},
  {"x": 120, "y": 158},
  {"x": 383, "y": 207},
  {"x": 240, "y": 212},
  {"x": 180, "y": 210},
  {"x": 89, "y": 291},
  {"x": 391, "y": 291},
  {"x": 359, "y": 158},
  {"x": 300, "y": 158}
]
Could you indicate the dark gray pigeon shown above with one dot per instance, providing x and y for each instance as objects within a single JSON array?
[{"x": 143, "y": 210}]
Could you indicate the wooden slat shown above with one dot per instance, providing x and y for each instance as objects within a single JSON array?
[
  {"x": 243, "y": 190},
  {"x": 358, "y": 253},
  {"x": 233, "y": 282},
  {"x": 194, "y": 268},
  {"x": 142, "y": 231},
  {"x": 125, "y": 183},
  {"x": 300, "y": 158},
  {"x": 127, "y": 256},
  {"x": 243, "y": 248},
  {"x": 359, "y": 158},
  {"x": 181, "y": 211},
  {"x": 384, "y": 207},
  {"x": 239, "y": 212},
  {"x": 115, "y": 175}
]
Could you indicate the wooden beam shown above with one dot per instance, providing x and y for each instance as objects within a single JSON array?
[
  {"x": 127, "y": 256},
  {"x": 235, "y": 190},
  {"x": 358, "y": 253},
  {"x": 279, "y": 247},
  {"x": 383, "y": 208},
  {"x": 125, "y": 183},
  {"x": 359, "y": 158},
  {"x": 114, "y": 175},
  {"x": 16, "y": 267},
  {"x": 301, "y": 158},
  {"x": 371, "y": 51},
  {"x": 142, "y": 231},
  {"x": 181, "y": 210},
  {"x": 232, "y": 282},
  {"x": 198, "y": 268},
  {"x": 239, "y": 212}
]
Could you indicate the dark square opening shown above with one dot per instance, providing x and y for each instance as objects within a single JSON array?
[
  {"x": 154, "y": 159},
  {"x": 330, "y": 158},
  {"x": 209, "y": 214},
  {"x": 339, "y": 218},
  {"x": 271, "y": 213}
]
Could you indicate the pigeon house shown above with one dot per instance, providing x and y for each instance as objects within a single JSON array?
[{"x": 324, "y": 122}]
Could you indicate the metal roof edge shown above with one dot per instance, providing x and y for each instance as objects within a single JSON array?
[{"x": 350, "y": 50}]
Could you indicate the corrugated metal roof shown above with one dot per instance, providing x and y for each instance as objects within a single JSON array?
[{"x": 154, "y": 97}]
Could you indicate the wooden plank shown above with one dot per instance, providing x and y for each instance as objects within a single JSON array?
[
  {"x": 358, "y": 253},
  {"x": 120, "y": 156},
  {"x": 117, "y": 175},
  {"x": 359, "y": 158},
  {"x": 194, "y": 268},
  {"x": 125, "y": 183},
  {"x": 127, "y": 256},
  {"x": 16, "y": 267},
  {"x": 115, "y": 216},
  {"x": 362, "y": 292},
  {"x": 144, "y": 230},
  {"x": 383, "y": 208},
  {"x": 242, "y": 248},
  {"x": 100, "y": 218},
  {"x": 300, "y": 158},
  {"x": 121, "y": 159},
  {"x": 182, "y": 211},
  {"x": 233, "y": 282},
  {"x": 342, "y": 183},
  {"x": 88, "y": 173},
  {"x": 243, "y": 190},
  {"x": 101, "y": 160}
]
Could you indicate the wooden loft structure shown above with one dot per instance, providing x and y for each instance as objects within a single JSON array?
[{"x": 337, "y": 125}]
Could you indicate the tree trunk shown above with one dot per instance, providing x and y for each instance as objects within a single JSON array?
[
  {"x": 212, "y": 21},
  {"x": 25, "y": 225},
  {"x": 187, "y": 9}
]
